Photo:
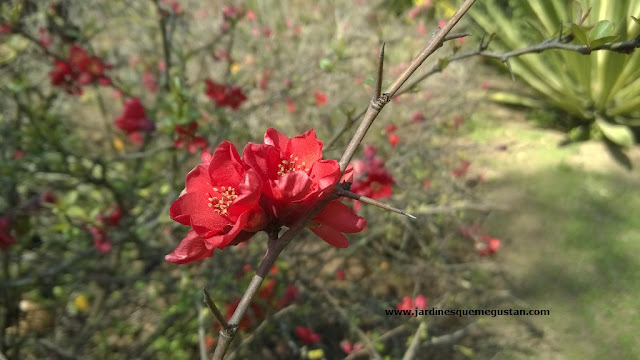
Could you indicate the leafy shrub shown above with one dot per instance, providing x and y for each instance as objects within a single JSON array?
[{"x": 600, "y": 93}]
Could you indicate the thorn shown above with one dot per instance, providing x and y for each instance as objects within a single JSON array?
[
  {"x": 380, "y": 69},
  {"x": 367, "y": 200},
  {"x": 456, "y": 36},
  {"x": 214, "y": 310}
]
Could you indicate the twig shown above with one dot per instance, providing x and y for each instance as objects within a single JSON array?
[
  {"x": 385, "y": 336},
  {"x": 457, "y": 207},
  {"x": 274, "y": 248},
  {"x": 380, "y": 72},
  {"x": 201, "y": 333},
  {"x": 413, "y": 347},
  {"x": 622, "y": 47},
  {"x": 247, "y": 340},
  {"x": 449, "y": 338},
  {"x": 377, "y": 104},
  {"x": 214, "y": 310},
  {"x": 58, "y": 350},
  {"x": 367, "y": 200}
]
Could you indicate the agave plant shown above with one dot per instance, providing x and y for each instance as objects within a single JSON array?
[{"x": 600, "y": 93}]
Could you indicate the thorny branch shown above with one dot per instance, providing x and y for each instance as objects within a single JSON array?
[{"x": 276, "y": 245}]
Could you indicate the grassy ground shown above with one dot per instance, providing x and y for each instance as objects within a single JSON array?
[{"x": 570, "y": 237}]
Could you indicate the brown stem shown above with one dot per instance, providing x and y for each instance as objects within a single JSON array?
[{"x": 274, "y": 248}]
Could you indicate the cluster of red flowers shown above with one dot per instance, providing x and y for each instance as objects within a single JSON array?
[
  {"x": 79, "y": 69},
  {"x": 484, "y": 244},
  {"x": 227, "y": 199},
  {"x": 100, "y": 240},
  {"x": 461, "y": 169},
  {"x": 307, "y": 335},
  {"x": 231, "y": 14},
  {"x": 420, "y": 302},
  {"x": 371, "y": 178},
  {"x": 134, "y": 120},
  {"x": 187, "y": 138},
  {"x": 225, "y": 95}
]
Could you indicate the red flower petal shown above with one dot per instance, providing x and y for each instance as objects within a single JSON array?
[
  {"x": 331, "y": 236},
  {"x": 190, "y": 249},
  {"x": 340, "y": 217}
]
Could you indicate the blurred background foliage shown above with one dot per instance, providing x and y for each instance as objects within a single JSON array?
[
  {"x": 84, "y": 205},
  {"x": 598, "y": 95}
]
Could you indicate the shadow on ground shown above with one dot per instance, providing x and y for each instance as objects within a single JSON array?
[{"x": 571, "y": 238}]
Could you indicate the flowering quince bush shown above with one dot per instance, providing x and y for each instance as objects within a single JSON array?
[{"x": 100, "y": 127}]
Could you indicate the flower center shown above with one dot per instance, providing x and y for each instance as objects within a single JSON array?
[
  {"x": 376, "y": 186},
  {"x": 290, "y": 165},
  {"x": 220, "y": 205}
]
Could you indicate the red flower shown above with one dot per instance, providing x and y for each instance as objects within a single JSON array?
[
  {"x": 340, "y": 274},
  {"x": 393, "y": 139},
  {"x": 220, "y": 203},
  {"x": 113, "y": 218},
  {"x": 149, "y": 81},
  {"x": 6, "y": 239},
  {"x": 290, "y": 105},
  {"x": 307, "y": 335},
  {"x": 321, "y": 98},
  {"x": 462, "y": 169},
  {"x": 290, "y": 295},
  {"x": 188, "y": 138},
  {"x": 5, "y": 29},
  {"x": 292, "y": 170},
  {"x": 225, "y": 95},
  {"x": 407, "y": 303},
  {"x": 417, "y": 117},
  {"x": 390, "y": 128},
  {"x": 348, "y": 348},
  {"x": 88, "y": 68},
  {"x": 65, "y": 77},
  {"x": 420, "y": 302},
  {"x": 100, "y": 240},
  {"x": 294, "y": 176},
  {"x": 488, "y": 245},
  {"x": 371, "y": 178},
  {"x": 133, "y": 118}
]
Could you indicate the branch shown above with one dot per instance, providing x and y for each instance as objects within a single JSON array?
[
  {"x": 246, "y": 341},
  {"x": 377, "y": 104},
  {"x": 413, "y": 347},
  {"x": 274, "y": 248},
  {"x": 276, "y": 245},
  {"x": 622, "y": 47},
  {"x": 367, "y": 200}
]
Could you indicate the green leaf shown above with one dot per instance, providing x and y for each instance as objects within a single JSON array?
[
  {"x": 618, "y": 134},
  {"x": 604, "y": 40},
  {"x": 602, "y": 29},
  {"x": 443, "y": 62},
  {"x": 325, "y": 64},
  {"x": 579, "y": 34}
]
